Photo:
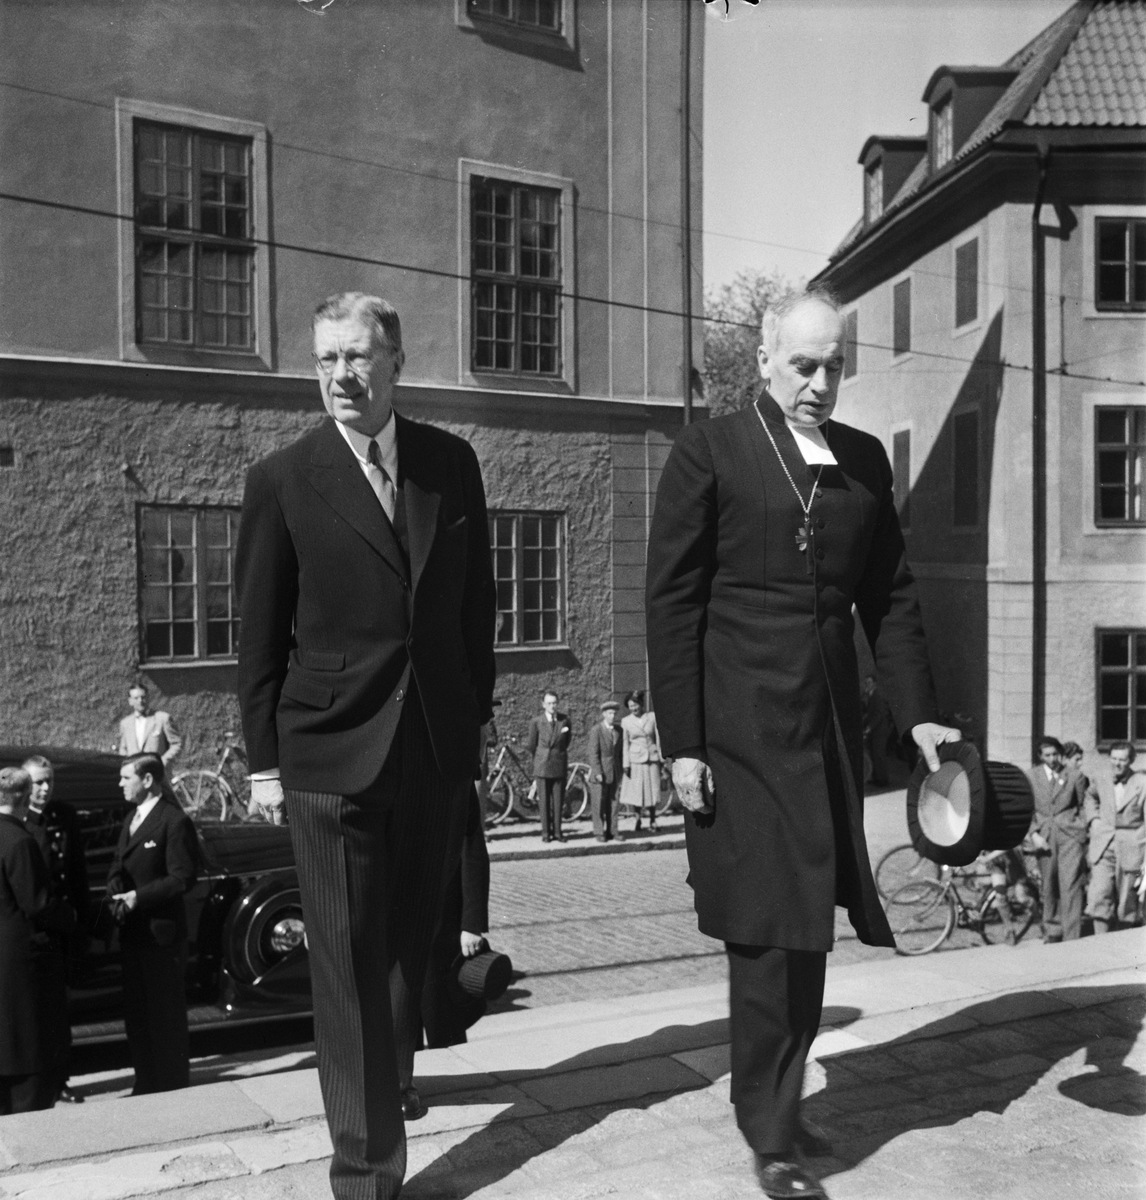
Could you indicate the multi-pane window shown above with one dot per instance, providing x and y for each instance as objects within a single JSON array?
[
  {"x": 873, "y": 181},
  {"x": 529, "y": 569},
  {"x": 901, "y": 474},
  {"x": 539, "y": 14},
  {"x": 965, "y": 470},
  {"x": 1119, "y": 456},
  {"x": 194, "y": 251},
  {"x": 944, "y": 134},
  {"x": 516, "y": 285},
  {"x": 851, "y": 343},
  {"x": 901, "y": 317},
  {"x": 187, "y": 603},
  {"x": 1120, "y": 264},
  {"x": 1121, "y": 685},
  {"x": 967, "y": 282}
]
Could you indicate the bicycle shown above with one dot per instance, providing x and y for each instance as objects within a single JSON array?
[
  {"x": 575, "y": 803},
  {"x": 924, "y": 912},
  {"x": 209, "y": 795},
  {"x": 900, "y": 865},
  {"x": 506, "y": 777}
]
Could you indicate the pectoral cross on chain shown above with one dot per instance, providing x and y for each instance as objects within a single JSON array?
[{"x": 804, "y": 544}]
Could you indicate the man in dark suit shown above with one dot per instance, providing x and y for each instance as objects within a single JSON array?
[
  {"x": 1058, "y": 831},
  {"x": 605, "y": 771},
  {"x": 156, "y": 860},
  {"x": 548, "y": 742},
  {"x": 366, "y": 670},
  {"x": 769, "y": 525},
  {"x": 56, "y": 829},
  {"x": 28, "y": 913}
]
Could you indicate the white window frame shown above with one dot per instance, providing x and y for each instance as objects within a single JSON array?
[
  {"x": 260, "y": 357},
  {"x": 1088, "y": 218},
  {"x": 1085, "y": 433},
  {"x": 504, "y": 381}
]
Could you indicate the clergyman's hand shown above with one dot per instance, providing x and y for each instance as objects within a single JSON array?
[
  {"x": 267, "y": 798},
  {"x": 692, "y": 778},
  {"x": 929, "y": 737}
]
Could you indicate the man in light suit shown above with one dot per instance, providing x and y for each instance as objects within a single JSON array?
[
  {"x": 366, "y": 670},
  {"x": 146, "y": 732},
  {"x": 1058, "y": 831},
  {"x": 1114, "y": 814},
  {"x": 605, "y": 771},
  {"x": 769, "y": 525},
  {"x": 548, "y": 743}
]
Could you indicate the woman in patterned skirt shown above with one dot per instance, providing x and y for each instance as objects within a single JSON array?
[{"x": 641, "y": 786}]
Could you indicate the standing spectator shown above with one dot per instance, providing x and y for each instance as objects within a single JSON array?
[
  {"x": 605, "y": 766},
  {"x": 548, "y": 742},
  {"x": 147, "y": 732},
  {"x": 1114, "y": 813},
  {"x": 641, "y": 759},
  {"x": 1072, "y": 756},
  {"x": 1058, "y": 832},
  {"x": 28, "y": 1073},
  {"x": 56, "y": 830},
  {"x": 155, "y": 862}
]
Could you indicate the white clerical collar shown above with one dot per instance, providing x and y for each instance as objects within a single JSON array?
[
  {"x": 812, "y": 444},
  {"x": 387, "y": 439}
]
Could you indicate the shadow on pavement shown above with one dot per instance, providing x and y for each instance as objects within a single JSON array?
[{"x": 980, "y": 1059}]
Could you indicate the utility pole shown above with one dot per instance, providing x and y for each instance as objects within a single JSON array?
[{"x": 686, "y": 7}]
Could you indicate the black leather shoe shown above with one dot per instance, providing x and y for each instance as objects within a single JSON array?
[
  {"x": 811, "y": 1139},
  {"x": 67, "y": 1096},
  {"x": 412, "y": 1107},
  {"x": 783, "y": 1179}
]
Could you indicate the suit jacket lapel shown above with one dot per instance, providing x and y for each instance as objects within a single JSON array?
[
  {"x": 335, "y": 475},
  {"x": 145, "y": 825},
  {"x": 422, "y": 491}
]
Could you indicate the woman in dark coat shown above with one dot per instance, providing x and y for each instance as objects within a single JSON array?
[{"x": 27, "y": 1078}]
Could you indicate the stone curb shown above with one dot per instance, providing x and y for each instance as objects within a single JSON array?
[
  {"x": 545, "y": 1062},
  {"x": 519, "y": 842}
]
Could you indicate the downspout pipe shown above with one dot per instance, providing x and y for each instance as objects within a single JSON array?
[
  {"x": 686, "y": 7},
  {"x": 1038, "y": 460}
]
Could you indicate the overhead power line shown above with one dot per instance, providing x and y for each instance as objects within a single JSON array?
[{"x": 368, "y": 260}]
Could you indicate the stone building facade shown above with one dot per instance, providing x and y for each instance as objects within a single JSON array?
[
  {"x": 939, "y": 278},
  {"x": 184, "y": 182}
]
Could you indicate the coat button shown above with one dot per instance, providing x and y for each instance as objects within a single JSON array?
[
  {"x": 819, "y": 491},
  {"x": 820, "y": 553}
]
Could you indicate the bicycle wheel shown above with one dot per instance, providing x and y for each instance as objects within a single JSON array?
[
  {"x": 576, "y": 803},
  {"x": 498, "y": 803},
  {"x": 526, "y": 803},
  {"x": 902, "y": 865},
  {"x": 668, "y": 797},
  {"x": 204, "y": 795},
  {"x": 921, "y": 915},
  {"x": 1003, "y": 919}
]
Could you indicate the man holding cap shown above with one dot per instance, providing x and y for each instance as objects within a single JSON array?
[{"x": 605, "y": 772}]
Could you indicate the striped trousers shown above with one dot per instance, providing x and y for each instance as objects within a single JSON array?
[{"x": 372, "y": 871}]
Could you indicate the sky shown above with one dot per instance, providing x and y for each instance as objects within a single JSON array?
[{"x": 793, "y": 89}]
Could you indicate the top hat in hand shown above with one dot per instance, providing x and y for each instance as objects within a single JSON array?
[{"x": 967, "y": 806}]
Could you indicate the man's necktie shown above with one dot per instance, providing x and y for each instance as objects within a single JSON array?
[
  {"x": 381, "y": 482},
  {"x": 136, "y": 821}
]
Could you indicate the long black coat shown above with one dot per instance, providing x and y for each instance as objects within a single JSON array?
[
  {"x": 752, "y": 662},
  {"x": 26, "y": 907},
  {"x": 335, "y": 617},
  {"x": 159, "y": 862}
]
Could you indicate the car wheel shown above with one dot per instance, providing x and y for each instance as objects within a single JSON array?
[{"x": 265, "y": 926}]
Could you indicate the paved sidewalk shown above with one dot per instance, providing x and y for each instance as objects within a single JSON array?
[
  {"x": 1015, "y": 1072},
  {"x": 522, "y": 839}
]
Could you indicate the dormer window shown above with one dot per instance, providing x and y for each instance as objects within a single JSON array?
[
  {"x": 873, "y": 183},
  {"x": 944, "y": 134}
]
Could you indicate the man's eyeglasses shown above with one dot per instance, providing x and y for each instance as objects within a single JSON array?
[{"x": 356, "y": 361}]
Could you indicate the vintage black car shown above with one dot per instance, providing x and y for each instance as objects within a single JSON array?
[{"x": 248, "y": 953}]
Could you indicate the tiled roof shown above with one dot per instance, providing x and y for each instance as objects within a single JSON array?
[
  {"x": 1101, "y": 79},
  {"x": 1088, "y": 68}
]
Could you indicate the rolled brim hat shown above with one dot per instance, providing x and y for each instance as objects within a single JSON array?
[
  {"x": 485, "y": 976},
  {"x": 967, "y": 806},
  {"x": 609, "y": 704}
]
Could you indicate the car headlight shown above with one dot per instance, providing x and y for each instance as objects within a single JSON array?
[{"x": 287, "y": 935}]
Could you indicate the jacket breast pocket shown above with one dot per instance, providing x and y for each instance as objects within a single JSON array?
[{"x": 306, "y": 691}]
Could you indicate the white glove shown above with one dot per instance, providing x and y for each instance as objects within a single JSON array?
[
  {"x": 267, "y": 798},
  {"x": 692, "y": 778}
]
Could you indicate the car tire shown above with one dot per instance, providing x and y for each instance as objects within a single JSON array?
[{"x": 264, "y": 926}]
